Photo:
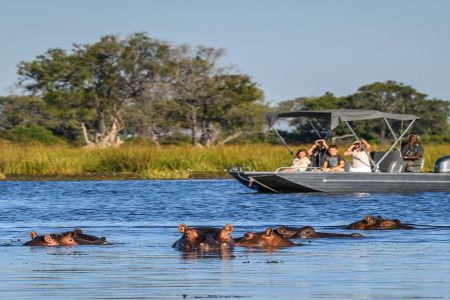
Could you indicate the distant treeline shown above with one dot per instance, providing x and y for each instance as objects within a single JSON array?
[{"x": 139, "y": 88}]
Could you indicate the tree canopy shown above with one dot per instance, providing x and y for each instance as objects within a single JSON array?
[
  {"x": 103, "y": 92},
  {"x": 388, "y": 96},
  {"x": 95, "y": 88}
]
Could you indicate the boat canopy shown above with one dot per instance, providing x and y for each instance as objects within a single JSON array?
[{"x": 336, "y": 116}]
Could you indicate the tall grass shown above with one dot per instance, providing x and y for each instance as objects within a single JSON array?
[{"x": 150, "y": 162}]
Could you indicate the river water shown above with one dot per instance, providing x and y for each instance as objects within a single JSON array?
[{"x": 141, "y": 219}]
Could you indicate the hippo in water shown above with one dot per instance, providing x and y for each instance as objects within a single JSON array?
[
  {"x": 378, "y": 223},
  {"x": 65, "y": 239},
  {"x": 85, "y": 239},
  {"x": 308, "y": 232},
  {"x": 204, "y": 238},
  {"x": 266, "y": 239}
]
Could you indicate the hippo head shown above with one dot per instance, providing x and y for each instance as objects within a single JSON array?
[
  {"x": 267, "y": 238},
  {"x": 303, "y": 233},
  {"x": 388, "y": 224},
  {"x": 220, "y": 240},
  {"x": 67, "y": 239},
  {"x": 42, "y": 240},
  {"x": 224, "y": 234},
  {"x": 86, "y": 239},
  {"x": 192, "y": 237},
  {"x": 369, "y": 220}
]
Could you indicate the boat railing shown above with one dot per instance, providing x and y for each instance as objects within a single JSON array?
[{"x": 293, "y": 170}]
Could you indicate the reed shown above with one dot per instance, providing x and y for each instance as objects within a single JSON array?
[{"x": 148, "y": 162}]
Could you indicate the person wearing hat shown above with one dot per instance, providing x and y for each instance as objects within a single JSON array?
[
  {"x": 412, "y": 154},
  {"x": 360, "y": 156}
]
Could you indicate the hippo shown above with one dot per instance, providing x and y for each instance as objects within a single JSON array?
[
  {"x": 268, "y": 239},
  {"x": 204, "y": 238},
  {"x": 378, "y": 223},
  {"x": 86, "y": 239},
  {"x": 65, "y": 239},
  {"x": 218, "y": 239},
  {"x": 307, "y": 232}
]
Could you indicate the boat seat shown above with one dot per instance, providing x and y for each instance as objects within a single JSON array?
[
  {"x": 392, "y": 163},
  {"x": 347, "y": 166}
]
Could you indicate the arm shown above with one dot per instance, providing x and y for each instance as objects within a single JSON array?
[
  {"x": 341, "y": 164},
  {"x": 310, "y": 151},
  {"x": 316, "y": 145},
  {"x": 367, "y": 146},
  {"x": 417, "y": 153},
  {"x": 349, "y": 150}
]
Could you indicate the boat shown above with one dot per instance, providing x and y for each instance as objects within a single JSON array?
[{"x": 387, "y": 176}]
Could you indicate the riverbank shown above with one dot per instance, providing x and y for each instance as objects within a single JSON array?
[
  {"x": 16, "y": 177},
  {"x": 60, "y": 162}
]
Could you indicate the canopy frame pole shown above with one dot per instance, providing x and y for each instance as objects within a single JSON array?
[
  {"x": 284, "y": 142},
  {"x": 312, "y": 125},
  {"x": 390, "y": 128},
  {"x": 362, "y": 146},
  {"x": 395, "y": 143}
]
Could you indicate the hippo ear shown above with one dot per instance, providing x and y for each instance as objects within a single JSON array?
[
  {"x": 368, "y": 218},
  {"x": 268, "y": 231},
  {"x": 33, "y": 234},
  {"x": 281, "y": 230},
  {"x": 182, "y": 228},
  {"x": 78, "y": 231},
  {"x": 48, "y": 238},
  {"x": 229, "y": 228}
]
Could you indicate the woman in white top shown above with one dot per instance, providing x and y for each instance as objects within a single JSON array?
[
  {"x": 301, "y": 162},
  {"x": 360, "y": 158}
]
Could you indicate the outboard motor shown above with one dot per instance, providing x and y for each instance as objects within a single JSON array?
[{"x": 442, "y": 165}]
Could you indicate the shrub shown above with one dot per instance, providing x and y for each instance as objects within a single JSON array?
[{"x": 32, "y": 133}]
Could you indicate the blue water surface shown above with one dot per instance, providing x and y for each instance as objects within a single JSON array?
[{"x": 141, "y": 218}]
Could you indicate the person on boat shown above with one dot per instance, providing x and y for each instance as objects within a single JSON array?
[
  {"x": 333, "y": 162},
  {"x": 317, "y": 152},
  {"x": 360, "y": 158},
  {"x": 301, "y": 162},
  {"x": 412, "y": 154}
]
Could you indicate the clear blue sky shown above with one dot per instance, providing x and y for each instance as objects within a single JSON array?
[{"x": 291, "y": 48}]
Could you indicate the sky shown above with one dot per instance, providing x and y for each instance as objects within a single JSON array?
[{"x": 291, "y": 48}]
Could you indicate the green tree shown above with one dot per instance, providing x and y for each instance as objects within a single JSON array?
[
  {"x": 394, "y": 97},
  {"x": 213, "y": 100},
  {"x": 94, "y": 83},
  {"x": 388, "y": 96}
]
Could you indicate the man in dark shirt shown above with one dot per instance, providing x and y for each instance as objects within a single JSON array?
[
  {"x": 412, "y": 154},
  {"x": 333, "y": 162},
  {"x": 317, "y": 153}
]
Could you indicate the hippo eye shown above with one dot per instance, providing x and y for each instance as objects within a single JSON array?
[{"x": 248, "y": 236}]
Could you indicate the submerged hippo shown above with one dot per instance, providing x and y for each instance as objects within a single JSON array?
[
  {"x": 378, "y": 223},
  {"x": 308, "y": 232},
  {"x": 65, "y": 239},
  {"x": 204, "y": 238},
  {"x": 85, "y": 239},
  {"x": 69, "y": 238},
  {"x": 268, "y": 239}
]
